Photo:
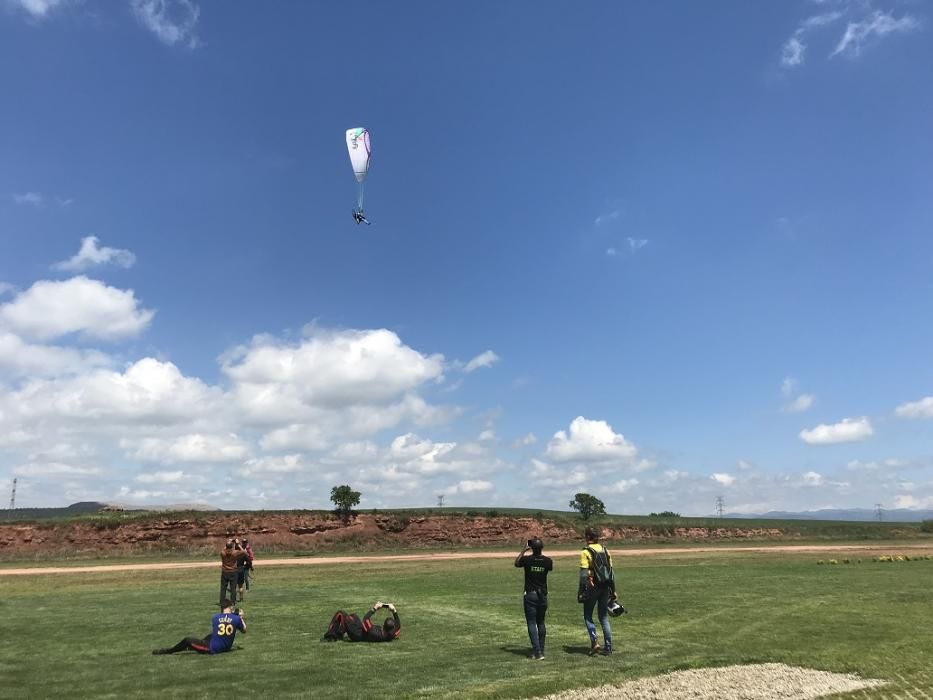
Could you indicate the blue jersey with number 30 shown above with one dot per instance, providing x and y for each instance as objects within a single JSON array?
[{"x": 223, "y": 631}]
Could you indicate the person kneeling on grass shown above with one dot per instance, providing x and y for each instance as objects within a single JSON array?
[
  {"x": 224, "y": 626},
  {"x": 357, "y": 630}
]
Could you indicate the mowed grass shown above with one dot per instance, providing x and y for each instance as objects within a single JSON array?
[{"x": 463, "y": 634}]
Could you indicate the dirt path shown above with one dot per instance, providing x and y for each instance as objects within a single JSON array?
[{"x": 442, "y": 556}]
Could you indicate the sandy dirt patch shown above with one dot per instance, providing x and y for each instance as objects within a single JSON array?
[
  {"x": 752, "y": 682},
  {"x": 441, "y": 556}
]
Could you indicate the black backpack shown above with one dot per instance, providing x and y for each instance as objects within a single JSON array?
[{"x": 600, "y": 566}]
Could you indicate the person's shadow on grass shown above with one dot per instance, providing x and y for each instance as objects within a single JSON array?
[
  {"x": 518, "y": 651},
  {"x": 576, "y": 650}
]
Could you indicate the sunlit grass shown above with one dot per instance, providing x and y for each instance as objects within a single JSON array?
[{"x": 90, "y": 635}]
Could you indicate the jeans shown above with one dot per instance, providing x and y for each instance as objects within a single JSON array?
[
  {"x": 535, "y": 604},
  {"x": 598, "y": 598}
]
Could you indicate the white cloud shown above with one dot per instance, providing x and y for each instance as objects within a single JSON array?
[
  {"x": 33, "y": 199},
  {"x": 194, "y": 447},
  {"x": 792, "y": 52},
  {"x": 161, "y": 477},
  {"x": 287, "y": 464},
  {"x": 78, "y": 305},
  {"x": 590, "y": 441},
  {"x": 621, "y": 486},
  {"x": 473, "y": 486},
  {"x": 90, "y": 255},
  {"x": 796, "y": 404},
  {"x": 878, "y": 24},
  {"x": 487, "y": 435},
  {"x": 549, "y": 476},
  {"x": 333, "y": 368},
  {"x": 21, "y": 359},
  {"x": 172, "y": 21},
  {"x": 723, "y": 479},
  {"x": 910, "y": 501},
  {"x": 611, "y": 252},
  {"x": 799, "y": 404},
  {"x": 848, "y": 430},
  {"x": 485, "y": 359},
  {"x": 812, "y": 479},
  {"x": 525, "y": 440},
  {"x": 148, "y": 392},
  {"x": 605, "y": 218},
  {"x": 55, "y": 469},
  {"x": 637, "y": 243},
  {"x": 916, "y": 409}
]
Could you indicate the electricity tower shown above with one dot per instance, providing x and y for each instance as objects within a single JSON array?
[
  {"x": 440, "y": 500},
  {"x": 13, "y": 495},
  {"x": 878, "y": 512},
  {"x": 720, "y": 505}
]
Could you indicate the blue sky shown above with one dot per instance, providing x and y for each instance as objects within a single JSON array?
[{"x": 659, "y": 252}]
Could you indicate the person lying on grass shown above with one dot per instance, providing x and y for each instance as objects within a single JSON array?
[
  {"x": 357, "y": 630},
  {"x": 224, "y": 626}
]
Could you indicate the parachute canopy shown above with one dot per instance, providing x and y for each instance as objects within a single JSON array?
[{"x": 360, "y": 151}]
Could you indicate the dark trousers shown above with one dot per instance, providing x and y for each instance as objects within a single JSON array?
[
  {"x": 343, "y": 623},
  {"x": 228, "y": 579},
  {"x": 535, "y": 604},
  {"x": 202, "y": 646}
]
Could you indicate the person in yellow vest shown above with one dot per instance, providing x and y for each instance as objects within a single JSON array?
[{"x": 597, "y": 589}]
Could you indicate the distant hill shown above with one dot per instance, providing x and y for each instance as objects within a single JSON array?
[
  {"x": 91, "y": 507},
  {"x": 895, "y": 515}
]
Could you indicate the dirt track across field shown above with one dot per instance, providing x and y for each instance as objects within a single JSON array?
[{"x": 442, "y": 556}]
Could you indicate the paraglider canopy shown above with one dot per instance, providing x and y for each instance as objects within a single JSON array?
[{"x": 360, "y": 151}]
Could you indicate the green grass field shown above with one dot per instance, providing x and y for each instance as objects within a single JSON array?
[{"x": 463, "y": 635}]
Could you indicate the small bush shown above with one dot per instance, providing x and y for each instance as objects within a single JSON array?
[
  {"x": 492, "y": 514},
  {"x": 926, "y": 526},
  {"x": 472, "y": 514}
]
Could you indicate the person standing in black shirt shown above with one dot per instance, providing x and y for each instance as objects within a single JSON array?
[{"x": 536, "y": 567}]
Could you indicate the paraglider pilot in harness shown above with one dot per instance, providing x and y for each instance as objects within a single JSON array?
[{"x": 359, "y": 217}]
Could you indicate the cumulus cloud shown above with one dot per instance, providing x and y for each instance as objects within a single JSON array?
[
  {"x": 878, "y": 24},
  {"x": 472, "y": 486},
  {"x": 525, "y": 440},
  {"x": 194, "y": 447},
  {"x": 621, "y": 486},
  {"x": 723, "y": 479},
  {"x": 79, "y": 305},
  {"x": 916, "y": 409},
  {"x": 637, "y": 243},
  {"x": 90, "y": 255},
  {"x": 21, "y": 359},
  {"x": 590, "y": 441},
  {"x": 148, "y": 392},
  {"x": 287, "y": 464},
  {"x": 813, "y": 479},
  {"x": 161, "y": 477},
  {"x": 55, "y": 469},
  {"x": 611, "y": 252},
  {"x": 549, "y": 476},
  {"x": 334, "y": 368},
  {"x": 848, "y": 430},
  {"x": 485, "y": 359},
  {"x": 171, "y": 21}
]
